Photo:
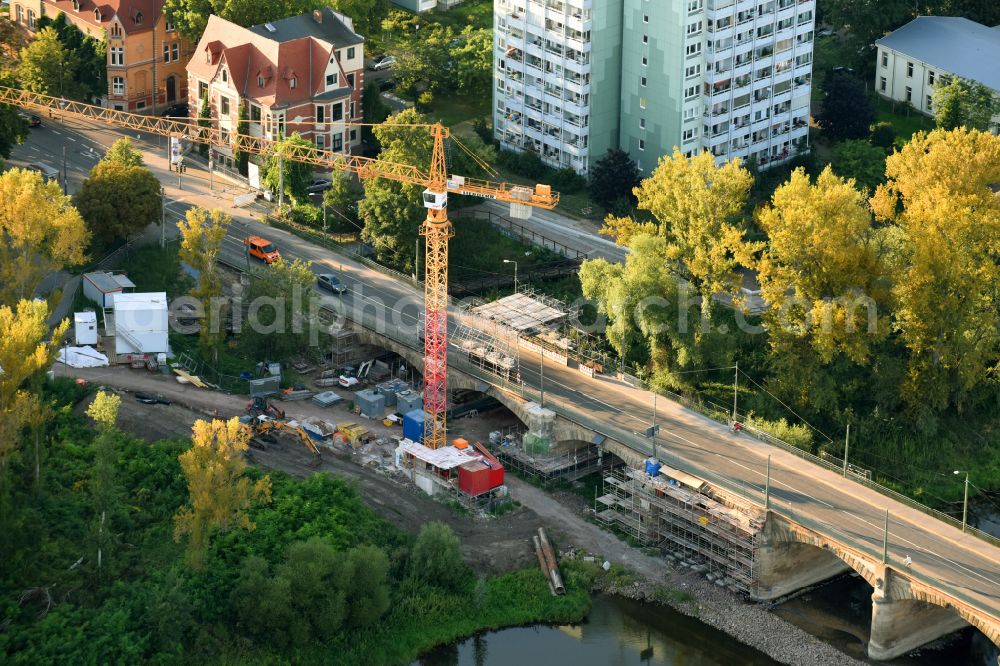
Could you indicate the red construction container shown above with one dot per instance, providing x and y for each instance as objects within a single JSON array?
[{"x": 476, "y": 478}]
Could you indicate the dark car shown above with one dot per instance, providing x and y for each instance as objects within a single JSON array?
[
  {"x": 31, "y": 119},
  {"x": 331, "y": 283},
  {"x": 319, "y": 185},
  {"x": 176, "y": 111},
  {"x": 386, "y": 85}
]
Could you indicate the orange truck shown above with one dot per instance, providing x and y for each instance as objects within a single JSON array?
[{"x": 261, "y": 248}]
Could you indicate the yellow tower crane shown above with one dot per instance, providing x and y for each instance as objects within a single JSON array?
[{"x": 436, "y": 228}]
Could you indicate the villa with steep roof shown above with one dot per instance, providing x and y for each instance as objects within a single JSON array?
[{"x": 301, "y": 74}]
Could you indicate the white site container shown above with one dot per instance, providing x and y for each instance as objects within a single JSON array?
[
  {"x": 141, "y": 323},
  {"x": 85, "y": 328},
  {"x": 101, "y": 287}
]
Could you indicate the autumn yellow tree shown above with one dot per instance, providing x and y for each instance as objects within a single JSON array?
[
  {"x": 696, "y": 205},
  {"x": 202, "y": 232},
  {"x": 26, "y": 348},
  {"x": 104, "y": 490},
  {"x": 940, "y": 195},
  {"x": 823, "y": 278},
  {"x": 41, "y": 233},
  {"x": 219, "y": 493}
]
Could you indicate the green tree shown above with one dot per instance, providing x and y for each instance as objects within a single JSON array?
[
  {"x": 13, "y": 128},
  {"x": 43, "y": 233},
  {"x": 392, "y": 211},
  {"x": 204, "y": 121},
  {"x": 374, "y": 110},
  {"x": 436, "y": 558},
  {"x": 91, "y": 54},
  {"x": 860, "y": 160},
  {"x": 105, "y": 490},
  {"x": 202, "y": 233},
  {"x": 423, "y": 60},
  {"x": 883, "y": 135},
  {"x": 946, "y": 277},
  {"x": 117, "y": 200},
  {"x": 366, "y": 586},
  {"x": 282, "y": 315},
  {"x": 240, "y": 157},
  {"x": 48, "y": 67},
  {"x": 219, "y": 495},
  {"x": 122, "y": 153},
  {"x": 341, "y": 196},
  {"x": 366, "y": 14},
  {"x": 963, "y": 103},
  {"x": 847, "y": 111},
  {"x": 262, "y": 604},
  {"x": 613, "y": 178},
  {"x": 472, "y": 59},
  {"x": 296, "y": 175}
]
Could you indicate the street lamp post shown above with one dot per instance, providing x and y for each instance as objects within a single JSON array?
[
  {"x": 965, "y": 502},
  {"x": 512, "y": 261}
]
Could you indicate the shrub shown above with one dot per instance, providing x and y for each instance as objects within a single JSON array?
[
  {"x": 567, "y": 181},
  {"x": 436, "y": 558},
  {"x": 530, "y": 165},
  {"x": 883, "y": 135},
  {"x": 797, "y": 435},
  {"x": 308, "y": 215}
]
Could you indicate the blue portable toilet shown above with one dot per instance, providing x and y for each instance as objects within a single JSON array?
[{"x": 413, "y": 425}]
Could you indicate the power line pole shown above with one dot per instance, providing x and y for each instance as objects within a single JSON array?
[
  {"x": 885, "y": 539},
  {"x": 847, "y": 445},
  {"x": 736, "y": 384},
  {"x": 163, "y": 217},
  {"x": 541, "y": 377},
  {"x": 767, "y": 486}
]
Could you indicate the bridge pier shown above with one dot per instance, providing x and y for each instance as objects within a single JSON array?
[
  {"x": 901, "y": 623},
  {"x": 784, "y": 565}
]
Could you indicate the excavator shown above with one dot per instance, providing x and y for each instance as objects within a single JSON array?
[{"x": 264, "y": 426}]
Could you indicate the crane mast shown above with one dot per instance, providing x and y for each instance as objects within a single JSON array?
[{"x": 436, "y": 228}]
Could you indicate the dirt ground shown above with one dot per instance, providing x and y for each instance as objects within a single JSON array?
[{"x": 491, "y": 545}]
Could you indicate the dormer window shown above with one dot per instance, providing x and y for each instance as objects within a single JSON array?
[
  {"x": 260, "y": 81},
  {"x": 76, "y": 5},
  {"x": 138, "y": 18},
  {"x": 291, "y": 82},
  {"x": 97, "y": 15}
]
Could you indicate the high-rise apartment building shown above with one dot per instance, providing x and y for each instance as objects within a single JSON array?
[{"x": 576, "y": 77}]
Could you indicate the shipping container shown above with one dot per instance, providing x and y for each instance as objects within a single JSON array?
[
  {"x": 371, "y": 403},
  {"x": 413, "y": 425},
  {"x": 476, "y": 478}
]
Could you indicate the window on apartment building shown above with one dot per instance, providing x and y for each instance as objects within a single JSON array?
[
  {"x": 166, "y": 52},
  {"x": 642, "y": 81},
  {"x": 692, "y": 70},
  {"x": 909, "y": 69},
  {"x": 690, "y": 113},
  {"x": 97, "y": 15},
  {"x": 320, "y": 113},
  {"x": 642, "y": 102},
  {"x": 116, "y": 30},
  {"x": 688, "y": 134},
  {"x": 175, "y": 50},
  {"x": 117, "y": 55},
  {"x": 350, "y": 81},
  {"x": 930, "y": 78},
  {"x": 138, "y": 18},
  {"x": 642, "y": 123},
  {"x": 694, "y": 5},
  {"x": 223, "y": 105},
  {"x": 645, "y": 61},
  {"x": 354, "y": 135},
  {"x": 350, "y": 53},
  {"x": 885, "y": 58},
  {"x": 693, "y": 49},
  {"x": 351, "y": 116},
  {"x": 118, "y": 85},
  {"x": 645, "y": 39},
  {"x": 320, "y": 141},
  {"x": 31, "y": 19},
  {"x": 928, "y": 103},
  {"x": 909, "y": 94},
  {"x": 694, "y": 28},
  {"x": 645, "y": 18},
  {"x": 337, "y": 142},
  {"x": 292, "y": 82},
  {"x": 331, "y": 79},
  {"x": 202, "y": 90},
  {"x": 336, "y": 113},
  {"x": 642, "y": 144},
  {"x": 881, "y": 83},
  {"x": 690, "y": 92}
]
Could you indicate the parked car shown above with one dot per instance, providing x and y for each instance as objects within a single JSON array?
[
  {"x": 261, "y": 248},
  {"x": 177, "y": 111},
  {"x": 381, "y": 62},
  {"x": 49, "y": 172},
  {"x": 331, "y": 283},
  {"x": 30, "y": 118},
  {"x": 386, "y": 85},
  {"x": 319, "y": 185}
]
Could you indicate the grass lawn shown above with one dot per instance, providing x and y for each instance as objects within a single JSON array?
[
  {"x": 906, "y": 120},
  {"x": 477, "y": 13},
  {"x": 453, "y": 109}
]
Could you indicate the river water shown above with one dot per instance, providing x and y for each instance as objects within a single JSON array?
[{"x": 617, "y": 632}]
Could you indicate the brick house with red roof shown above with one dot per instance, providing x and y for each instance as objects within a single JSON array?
[
  {"x": 145, "y": 54},
  {"x": 301, "y": 74}
]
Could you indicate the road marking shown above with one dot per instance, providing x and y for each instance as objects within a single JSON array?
[
  {"x": 69, "y": 138},
  {"x": 57, "y": 132}
]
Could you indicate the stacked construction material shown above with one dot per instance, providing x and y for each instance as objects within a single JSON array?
[{"x": 326, "y": 399}]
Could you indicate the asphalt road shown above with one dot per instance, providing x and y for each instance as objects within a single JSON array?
[{"x": 960, "y": 564}]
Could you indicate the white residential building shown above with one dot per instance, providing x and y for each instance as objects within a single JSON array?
[
  {"x": 918, "y": 56},
  {"x": 574, "y": 78}
]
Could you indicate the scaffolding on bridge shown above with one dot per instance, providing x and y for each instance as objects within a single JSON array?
[{"x": 677, "y": 514}]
